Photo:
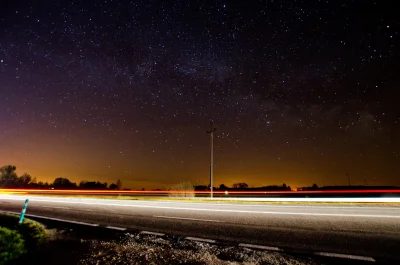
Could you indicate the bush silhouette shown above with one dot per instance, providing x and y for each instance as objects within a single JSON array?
[
  {"x": 32, "y": 232},
  {"x": 11, "y": 245}
]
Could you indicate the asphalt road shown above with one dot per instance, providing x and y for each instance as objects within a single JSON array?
[{"x": 372, "y": 231}]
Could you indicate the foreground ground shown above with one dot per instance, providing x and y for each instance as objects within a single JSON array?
[
  {"x": 352, "y": 230},
  {"x": 68, "y": 243},
  {"x": 78, "y": 246}
]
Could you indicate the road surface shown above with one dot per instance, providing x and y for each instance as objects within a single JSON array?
[{"x": 370, "y": 231}]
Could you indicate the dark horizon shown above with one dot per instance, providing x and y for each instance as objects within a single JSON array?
[{"x": 301, "y": 92}]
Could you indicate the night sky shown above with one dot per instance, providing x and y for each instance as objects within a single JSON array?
[{"x": 301, "y": 92}]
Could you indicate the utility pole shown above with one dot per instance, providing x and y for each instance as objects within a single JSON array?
[
  {"x": 348, "y": 177},
  {"x": 211, "y": 132}
]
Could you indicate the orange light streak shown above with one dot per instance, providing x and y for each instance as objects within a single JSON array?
[{"x": 7, "y": 191}]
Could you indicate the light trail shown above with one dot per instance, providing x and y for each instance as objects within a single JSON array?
[
  {"x": 55, "y": 191},
  {"x": 134, "y": 204},
  {"x": 228, "y": 201}
]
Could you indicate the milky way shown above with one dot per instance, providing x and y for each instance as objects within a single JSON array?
[{"x": 300, "y": 91}]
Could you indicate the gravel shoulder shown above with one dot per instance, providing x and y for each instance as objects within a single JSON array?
[
  {"x": 139, "y": 249},
  {"x": 76, "y": 246}
]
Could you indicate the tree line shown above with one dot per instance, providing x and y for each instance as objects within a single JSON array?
[
  {"x": 10, "y": 179},
  {"x": 244, "y": 186}
]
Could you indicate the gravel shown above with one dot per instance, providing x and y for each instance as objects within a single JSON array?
[{"x": 145, "y": 249}]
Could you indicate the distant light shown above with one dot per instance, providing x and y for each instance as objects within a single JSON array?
[{"x": 226, "y": 192}]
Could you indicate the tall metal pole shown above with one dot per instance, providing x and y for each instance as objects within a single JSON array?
[
  {"x": 348, "y": 178},
  {"x": 211, "y": 132}
]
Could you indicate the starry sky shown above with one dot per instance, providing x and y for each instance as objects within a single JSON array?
[{"x": 301, "y": 92}]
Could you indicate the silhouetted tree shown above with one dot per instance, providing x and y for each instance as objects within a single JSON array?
[
  {"x": 25, "y": 180},
  {"x": 284, "y": 187},
  {"x": 119, "y": 184},
  {"x": 201, "y": 187},
  {"x": 102, "y": 185},
  {"x": 82, "y": 184},
  {"x": 240, "y": 185},
  {"x": 314, "y": 186},
  {"x": 8, "y": 177},
  {"x": 113, "y": 186},
  {"x": 63, "y": 183},
  {"x": 223, "y": 187},
  {"x": 39, "y": 185},
  {"x": 92, "y": 185}
]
